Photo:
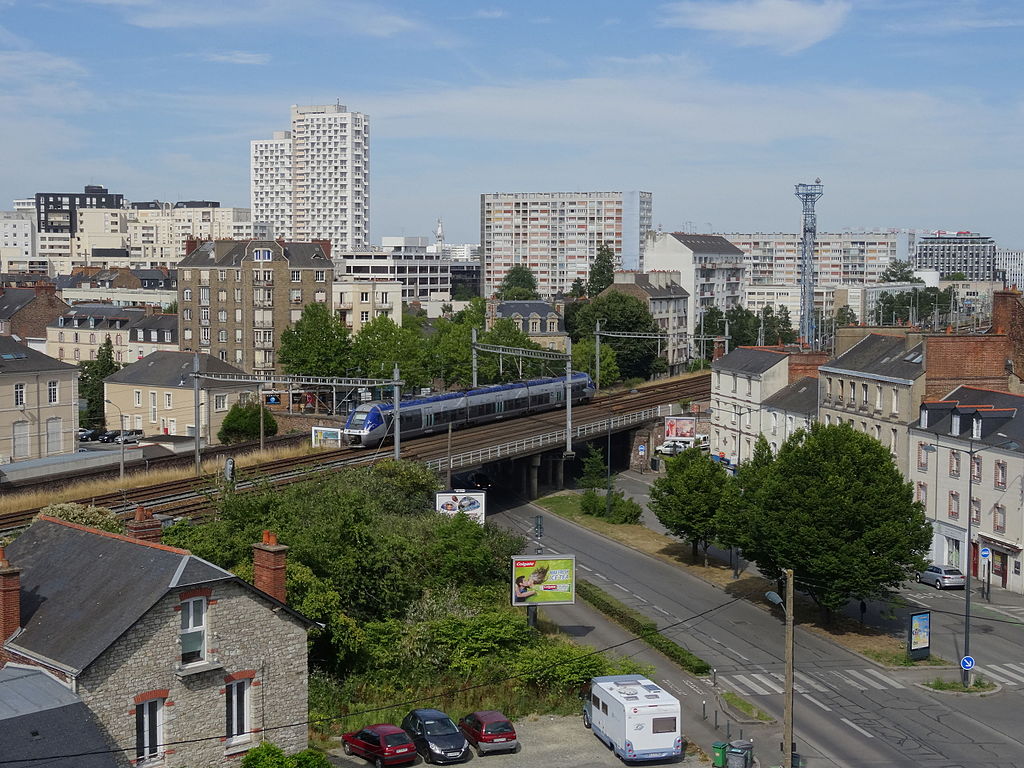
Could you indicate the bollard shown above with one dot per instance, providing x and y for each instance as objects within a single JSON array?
[
  {"x": 741, "y": 733},
  {"x": 704, "y": 709},
  {"x": 714, "y": 677},
  {"x": 716, "y": 719},
  {"x": 728, "y": 730}
]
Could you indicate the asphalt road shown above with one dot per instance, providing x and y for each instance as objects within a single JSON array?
[{"x": 849, "y": 712}]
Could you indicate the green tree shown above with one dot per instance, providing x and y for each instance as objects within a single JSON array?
[
  {"x": 744, "y": 326},
  {"x": 834, "y": 507},
  {"x": 957, "y": 276},
  {"x": 784, "y": 331},
  {"x": 463, "y": 292},
  {"x": 578, "y": 289},
  {"x": 899, "y": 272},
  {"x": 493, "y": 369},
  {"x": 602, "y": 271},
  {"x": 584, "y": 359},
  {"x": 90, "y": 383},
  {"x": 242, "y": 423},
  {"x": 519, "y": 285},
  {"x": 317, "y": 345},
  {"x": 449, "y": 355},
  {"x": 918, "y": 306},
  {"x": 95, "y": 517},
  {"x": 171, "y": 309},
  {"x": 846, "y": 316},
  {"x": 636, "y": 358},
  {"x": 381, "y": 344},
  {"x": 687, "y": 499},
  {"x": 594, "y": 469},
  {"x": 741, "y": 497}
]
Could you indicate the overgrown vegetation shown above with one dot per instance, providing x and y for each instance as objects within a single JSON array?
[
  {"x": 611, "y": 505},
  {"x": 82, "y": 514},
  {"x": 269, "y": 755},
  {"x": 242, "y": 423},
  {"x": 980, "y": 685},
  {"x": 739, "y": 703}
]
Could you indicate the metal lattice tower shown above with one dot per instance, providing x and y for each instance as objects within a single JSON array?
[{"x": 809, "y": 194}]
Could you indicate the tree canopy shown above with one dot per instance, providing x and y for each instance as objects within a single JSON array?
[
  {"x": 636, "y": 358},
  {"x": 846, "y": 316},
  {"x": 584, "y": 358},
  {"x": 519, "y": 285},
  {"x": 242, "y": 423},
  {"x": 90, "y": 383},
  {"x": 317, "y": 345},
  {"x": 380, "y": 344},
  {"x": 687, "y": 499},
  {"x": 899, "y": 272},
  {"x": 578, "y": 289},
  {"x": 602, "y": 271},
  {"x": 917, "y": 306}
]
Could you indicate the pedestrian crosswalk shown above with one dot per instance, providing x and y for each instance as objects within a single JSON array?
[
  {"x": 822, "y": 681},
  {"x": 1004, "y": 674}
]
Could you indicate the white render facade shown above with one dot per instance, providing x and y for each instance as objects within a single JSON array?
[
  {"x": 557, "y": 234},
  {"x": 18, "y": 242},
  {"x": 757, "y": 297},
  {"x": 423, "y": 274},
  {"x": 357, "y": 302},
  {"x": 312, "y": 182},
  {"x": 1010, "y": 263}
]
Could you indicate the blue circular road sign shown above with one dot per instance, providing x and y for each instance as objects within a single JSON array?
[
  {"x": 967, "y": 662},
  {"x": 641, "y": 449},
  {"x": 985, "y": 553}
]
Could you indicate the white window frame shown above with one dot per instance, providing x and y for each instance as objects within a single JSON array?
[
  {"x": 168, "y": 401},
  {"x": 235, "y": 693},
  {"x": 149, "y": 750},
  {"x": 53, "y": 392},
  {"x": 190, "y": 627},
  {"x": 19, "y": 395}
]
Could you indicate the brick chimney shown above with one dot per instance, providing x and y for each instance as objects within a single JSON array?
[
  {"x": 144, "y": 527},
  {"x": 268, "y": 566},
  {"x": 10, "y": 599},
  {"x": 1003, "y": 303},
  {"x": 718, "y": 349}
]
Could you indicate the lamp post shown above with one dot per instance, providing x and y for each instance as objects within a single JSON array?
[
  {"x": 787, "y": 723},
  {"x": 120, "y": 418}
]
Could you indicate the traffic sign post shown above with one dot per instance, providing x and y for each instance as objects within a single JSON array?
[
  {"x": 985, "y": 553},
  {"x": 967, "y": 664},
  {"x": 986, "y": 584},
  {"x": 641, "y": 449}
]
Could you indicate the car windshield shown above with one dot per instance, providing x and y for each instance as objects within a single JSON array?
[
  {"x": 502, "y": 726},
  {"x": 953, "y": 572},
  {"x": 395, "y": 739},
  {"x": 440, "y": 727}
]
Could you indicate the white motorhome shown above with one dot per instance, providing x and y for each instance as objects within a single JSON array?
[
  {"x": 634, "y": 717},
  {"x": 673, "y": 446}
]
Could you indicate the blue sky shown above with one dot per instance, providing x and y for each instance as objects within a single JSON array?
[{"x": 911, "y": 111}]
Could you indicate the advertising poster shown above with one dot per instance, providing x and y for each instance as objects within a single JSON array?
[
  {"x": 919, "y": 635},
  {"x": 470, "y": 503},
  {"x": 327, "y": 437},
  {"x": 680, "y": 426},
  {"x": 544, "y": 579}
]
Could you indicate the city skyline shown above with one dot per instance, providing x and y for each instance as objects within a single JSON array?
[{"x": 908, "y": 112}]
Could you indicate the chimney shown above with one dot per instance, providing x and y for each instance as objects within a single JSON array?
[
  {"x": 268, "y": 566},
  {"x": 1003, "y": 303},
  {"x": 10, "y": 598},
  {"x": 144, "y": 527},
  {"x": 719, "y": 349}
]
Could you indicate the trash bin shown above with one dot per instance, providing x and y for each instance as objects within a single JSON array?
[
  {"x": 740, "y": 754},
  {"x": 796, "y": 761},
  {"x": 718, "y": 754},
  {"x": 655, "y": 464}
]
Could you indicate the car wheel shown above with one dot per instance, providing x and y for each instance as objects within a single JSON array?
[
  {"x": 586, "y": 720},
  {"x": 346, "y": 748},
  {"x": 479, "y": 751},
  {"x": 938, "y": 584}
]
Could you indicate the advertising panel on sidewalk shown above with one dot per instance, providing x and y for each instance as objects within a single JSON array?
[
  {"x": 327, "y": 437},
  {"x": 919, "y": 635},
  {"x": 680, "y": 427},
  {"x": 544, "y": 579},
  {"x": 473, "y": 504}
]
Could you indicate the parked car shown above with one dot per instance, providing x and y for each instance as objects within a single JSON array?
[
  {"x": 382, "y": 743},
  {"x": 489, "y": 731},
  {"x": 109, "y": 436},
  {"x": 942, "y": 576},
  {"x": 437, "y": 738},
  {"x": 129, "y": 436},
  {"x": 88, "y": 435}
]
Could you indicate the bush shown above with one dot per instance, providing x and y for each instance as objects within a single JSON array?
[
  {"x": 269, "y": 755},
  {"x": 94, "y": 517},
  {"x": 622, "y": 510},
  {"x": 242, "y": 423}
]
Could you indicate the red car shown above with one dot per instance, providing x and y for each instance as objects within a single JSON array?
[
  {"x": 382, "y": 743},
  {"x": 489, "y": 731}
]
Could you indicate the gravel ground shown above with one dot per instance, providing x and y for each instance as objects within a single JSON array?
[{"x": 547, "y": 742}]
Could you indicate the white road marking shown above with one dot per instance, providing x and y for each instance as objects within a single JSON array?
[
  {"x": 850, "y": 682},
  {"x": 856, "y": 727},
  {"x": 751, "y": 685},
  {"x": 883, "y": 678},
  {"x": 811, "y": 682},
  {"x": 662, "y": 610},
  {"x": 991, "y": 672},
  {"x": 915, "y": 601},
  {"x": 600, "y": 576},
  {"x": 641, "y": 599},
  {"x": 865, "y": 679},
  {"x": 770, "y": 683},
  {"x": 614, "y": 584},
  {"x": 796, "y": 686},
  {"x": 738, "y": 654},
  {"x": 1008, "y": 672},
  {"x": 817, "y": 703},
  {"x": 581, "y": 565}
]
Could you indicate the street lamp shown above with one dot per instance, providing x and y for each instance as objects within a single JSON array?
[
  {"x": 787, "y": 723},
  {"x": 120, "y": 418}
]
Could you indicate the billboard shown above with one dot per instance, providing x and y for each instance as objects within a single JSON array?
[
  {"x": 544, "y": 580},
  {"x": 680, "y": 426},
  {"x": 473, "y": 504},
  {"x": 919, "y": 635},
  {"x": 327, "y": 437}
]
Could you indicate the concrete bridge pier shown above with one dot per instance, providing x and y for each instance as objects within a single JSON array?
[
  {"x": 558, "y": 472},
  {"x": 532, "y": 467}
]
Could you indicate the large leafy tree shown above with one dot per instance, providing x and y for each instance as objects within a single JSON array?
[
  {"x": 492, "y": 369},
  {"x": 636, "y": 358},
  {"x": 90, "y": 383},
  {"x": 846, "y": 316},
  {"x": 317, "y": 345},
  {"x": 519, "y": 285},
  {"x": 584, "y": 358},
  {"x": 602, "y": 271},
  {"x": 899, "y": 272},
  {"x": 242, "y": 423},
  {"x": 381, "y": 344},
  {"x": 834, "y": 507},
  {"x": 578, "y": 289},
  {"x": 688, "y": 498},
  {"x": 449, "y": 355}
]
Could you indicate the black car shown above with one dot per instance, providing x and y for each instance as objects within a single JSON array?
[
  {"x": 88, "y": 435},
  {"x": 436, "y": 736},
  {"x": 108, "y": 436}
]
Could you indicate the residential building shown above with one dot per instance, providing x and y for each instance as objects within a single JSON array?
[
  {"x": 757, "y": 297},
  {"x": 667, "y": 301},
  {"x": 180, "y": 662},
  {"x": 1010, "y": 266},
  {"x": 966, "y": 457},
  {"x": 18, "y": 247},
  {"x": 864, "y": 299},
  {"x": 38, "y": 404},
  {"x": 235, "y": 298},
  {"x": 25, "y": 313},
  {"x": 157, "y": 395},
  {"x": 152, "y": 333},
  {"x": 159, "y": 234},
  {"x": 792, "y": 408},
  {"x": 709, "y": 266},
  {"x": 79, "y": 332},
  {"x": 421, "y": 273},
  {"x": 557, "y": 234},
  {"x": 969, "y": 253},
  {"x": 741, "y": 382},
  {"x": 875, "y": 387},
  {"x": 544, "y": 323},
  {"x": 57, "y": 222},
  {"x": 312, "y": 182},
  {"x": 357, "y": 302},
  {"x": 971, "y": 297}
]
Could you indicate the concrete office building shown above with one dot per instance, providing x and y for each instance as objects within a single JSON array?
[
  {"x": 1010, "y": 266},
  {"x": 18, "y": 243},
  {"x": 972, "y": 254},
  {"x": 312, "y": 182},
  {"x": 407, "y": 260},
  {"x": 557, "y": 234}
]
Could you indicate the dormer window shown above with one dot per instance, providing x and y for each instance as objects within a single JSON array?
[
  {"x": 924, "y": 418},
  {"x": 954, "y": 428},
  {"x": 193, "y": 630},
  {"x": 976, "y": 429}
]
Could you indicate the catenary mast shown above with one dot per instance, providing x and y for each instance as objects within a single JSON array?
[{"x": 809, "y": 194}]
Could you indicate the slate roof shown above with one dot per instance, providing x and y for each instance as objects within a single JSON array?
[
  {"x": 40, "y": 718},
  {"x": 643, "y": 288},
  {"x": 748, "y": 360},
  {"x": 707, "y": 243},
  {"x": 158, "y": 322},
  {"x": 799, "y": 397},
  {"x": 526, "y": 309},
  {"x": 1001, "y": 415},
  {"x": 165, "y": 368},
  {"x": 230, "y": 253},
  {"x": 17, "y": 358},
  {"x": 105, "y": 314},
  {"x": 13, "y": 300},
  {"x": 880, "y": 355}
]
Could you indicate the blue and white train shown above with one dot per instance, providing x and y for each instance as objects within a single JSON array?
[{"x": 370, "y": 423}]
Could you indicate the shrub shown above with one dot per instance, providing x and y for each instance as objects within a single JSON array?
[
  {"x": 94, "y": 517},
  {"x": 242, "y": 423},
  {"x": 621, "y": 510}
]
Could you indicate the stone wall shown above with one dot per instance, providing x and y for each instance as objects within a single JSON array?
[{"x": 246, "y": 635}]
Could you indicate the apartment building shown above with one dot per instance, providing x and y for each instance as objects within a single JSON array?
[
  {"x": 557, "y": 234},
  {"x": 422, "y": 274},
  {"x": 312, "y": 181},
  {"x": 542, "y": 322},
  {"x": 159, "y": 233},
  {"x": 57, "y": 221},
  {"x": 18, "y": 247},
  {"x": 792, "y": 408},
  {"x": 25, "y": 313},
  {"x": 839, "y": 257},
  {"x": 758, "y": 297},
  {"x": 1010, "y": 266},
  {"x": 235, "y": 298},
  {"x": 357, "y": 302},
  {"x": 77, "y": 334},
  {"x": 969, "y": 253},
  {"x": 966, "y": 457},
  {"x": 667, "y": 302},
  {"x": 38, "y": 404}
]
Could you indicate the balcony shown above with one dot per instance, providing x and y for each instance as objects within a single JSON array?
[
  {"x": 263, "y": 323},
  {"x": 264, "y": 344},
  {"x": 263, "y": 283}
]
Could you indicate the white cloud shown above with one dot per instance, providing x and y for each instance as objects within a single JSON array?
[
  {"x": 784, "y": 25},
  {"x": 489, "y": 13},
  {"x": 237, "y": 57}
]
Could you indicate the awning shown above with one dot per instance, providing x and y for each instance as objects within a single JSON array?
[{"x": 1004, "y": 543}]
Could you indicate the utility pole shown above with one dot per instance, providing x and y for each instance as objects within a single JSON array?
[
  {"x": 568, "y": 396},
  {"x": 597, "y": 355},
  {"x": 787, "y": 728},
  {"x": 259, "y": 401},
  {"x": 473, "y": 348},
  {"x": 195, "y": 402},
  {"x": 449, "y": 486},
  {"x": 398, "y": 412}
]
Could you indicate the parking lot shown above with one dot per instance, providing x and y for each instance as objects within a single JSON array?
[{"x": 547, "y": 742}]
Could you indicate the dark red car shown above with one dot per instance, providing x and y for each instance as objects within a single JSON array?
[
  {"x": 382, "y": 743},
  {"x": 489, "y": 731}
]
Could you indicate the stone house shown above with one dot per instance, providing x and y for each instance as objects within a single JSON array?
[
  {"x": 792, "y": 408},
  {"x": 181, "y": 663},
  {"x": 25, "y": 312},
  {"x": 544, "y": 323}
]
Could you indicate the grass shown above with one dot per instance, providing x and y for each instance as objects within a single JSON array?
[
  {"x": 744, "y": 706},
  {"x": 899, "y": 658},
  {"x": 565, "y": 504},
  {"x": 980, "y": 685}
]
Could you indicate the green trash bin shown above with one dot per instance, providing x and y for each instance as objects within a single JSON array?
[{"x": 718, "y": 754}]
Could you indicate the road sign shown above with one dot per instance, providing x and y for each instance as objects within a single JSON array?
[
  {"x": 641, "y": 449},
  {"x": 967, "y": 663},
  {"x": 985, "y": 553}
]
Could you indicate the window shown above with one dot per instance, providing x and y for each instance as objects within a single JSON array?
[
  {"x": 149, "y": 724},
  {"x": 188, "y": 334},
  {"x": 954, "y": 463},
  {"x": 319, "y": 276},
  {"x": 1000, "y": 475},
  {"x": 864, "y": 394},
  {"x": 364, "y": 317},
  {"x": 261, "y": 254},
  {"x": 238, "y": 294},
  {"x": 976, "y": 468},
  {"x": 193, "y": 630},
  {"x": 364, "y": 297},
  {"x": 222, "y": 316},
  {"x": 186, "y": 274},
  {"x": 152, "y": 407},
  {"x": 21, "y": 442},
  {"x": 922, "y": 493},
  {"x": 853, "y": 393},
  {"x": 296, "y": 276},
  {"x": 295, "y": 296},
  {"x": 999, "y": 518},
  {"x": 54, "y": 436},
  {"x": 976, "y": 511},
  {"x": 167, "y": 400},
  {"x": 895, "y": 401},
  {"x": 734, "y": 382},
  {"x": 750, "y": 386},
  {"x": 878, "y": 397},
  {"x": 828, "y": 388},
  {"x": 52, "y": 392},
  {"x": 186, "y": 295},
  {"x": 775, "y": 423},
  {"x": 186, "y": 314},
  {"x": 954, "y": 505},
  {"x": 222, "y": 336},
  {"x": 222, "y": 295},
  {"x": 220, "y": 402},
  {"x": 893, "y": 437},
  {"x": 663, "y": 725},
  {"x": 922, "y": 457},
  {"x": 236, "y": 709}
]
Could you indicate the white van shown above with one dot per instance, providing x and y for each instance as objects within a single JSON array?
[{"x": 634, "y": 717}]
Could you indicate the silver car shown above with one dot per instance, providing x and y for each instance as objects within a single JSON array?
[{"x": 942, "y": 576}]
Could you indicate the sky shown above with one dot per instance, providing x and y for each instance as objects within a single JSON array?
[{"x": 910, "y": 111}]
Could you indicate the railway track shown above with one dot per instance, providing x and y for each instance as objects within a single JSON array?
[{"x": 193, "y": 496}]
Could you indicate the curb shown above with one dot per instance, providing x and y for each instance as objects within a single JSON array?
[{"x": 980, "y": 694}]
